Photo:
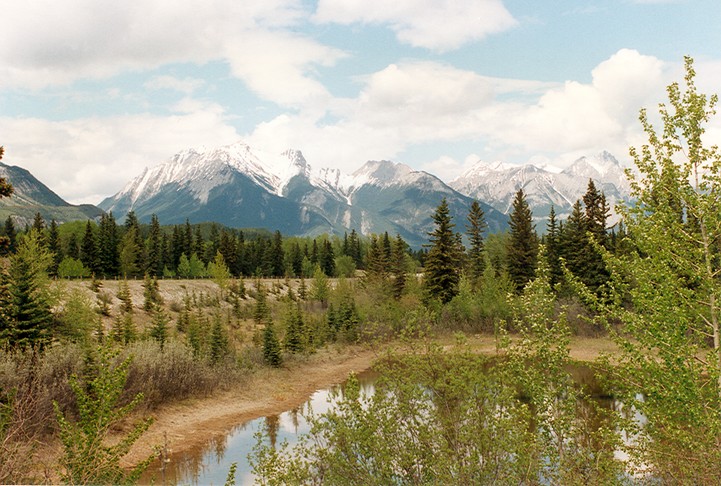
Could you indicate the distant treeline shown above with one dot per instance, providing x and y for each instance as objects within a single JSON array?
[{"x": 107, "y": 249}]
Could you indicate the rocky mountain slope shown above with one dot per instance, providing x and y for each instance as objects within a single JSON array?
[
  {"x": 30, "y": 196},
  {"x": 237, "y": 186},
  {"x": 497, "y": 183}
]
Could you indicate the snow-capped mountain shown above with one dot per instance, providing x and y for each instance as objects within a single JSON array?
[
  {"x": 240, "y": 187},
  {"x": 497, "y": 183}
]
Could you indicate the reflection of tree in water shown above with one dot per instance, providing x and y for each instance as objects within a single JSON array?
[
  {"x": 218, "y": 444},
  {"x": 272, "y": 423},
  {"x": 295, "y": 418}
]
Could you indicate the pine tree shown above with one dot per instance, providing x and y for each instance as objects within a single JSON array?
[
  {"x": 53, "y": 242},
  {"x": 159, "y": 325},
  {"x": 523, "y": 243},
  {"x": 154, "y": 258},
  {"x": 441, "y": 265},
  {"x": 271, "y": 346},
  {"x": 476, "y": 253},
  {"x": 398, "y": 266},
  {"x": 552, "y": 243},
  {"x": 25, "y": 308},
  {"x": 218, "y": 341},
  {"x": 126, "y": 301},
  {"x": 295, "y": 330},
  {"x": 151, "y": 293},
  {"x": 10, "y": 237},
  {"x": 88, "y": 249},
  {"x": 107, "y": 246}
]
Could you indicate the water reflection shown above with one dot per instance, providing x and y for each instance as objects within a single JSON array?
[{"x": 211, "y": 463}]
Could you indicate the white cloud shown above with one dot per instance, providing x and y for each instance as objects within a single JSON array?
[
  {"x": 88, "y": 159},
  {"x": 434, "y": 24},
  {"x": 45, "y": 42}
]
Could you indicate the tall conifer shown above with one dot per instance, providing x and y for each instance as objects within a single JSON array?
[{"x": 523, "y": 243}]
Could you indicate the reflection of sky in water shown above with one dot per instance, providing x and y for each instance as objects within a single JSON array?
[{"x": 211, "y": 464}]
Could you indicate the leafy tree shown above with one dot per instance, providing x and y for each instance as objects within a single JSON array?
[
  {"x": 666, "y": 291},
  {"x": 320, "y": 288},
  {"x": 72, "y": 268},
  {"x": 522, "y": 243},
  {"x": 475, "y": 228},
  {"x": 89, "y": 455},
  {"x": 184, "y": 266},
  {"x": 442, "y": 276},
  {"x": 197, "y": 267},
  {"x": 219, "y": 272}
]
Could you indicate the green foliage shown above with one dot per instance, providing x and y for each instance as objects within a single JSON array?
[
  {"x": 219, "y": 272},
  {"x": 159, "y": 326},
  {"x": 151, "y": 293},
  {"x": 522, "y": 243},
  {"x": 271, "y": 346},
  {"x": 295, "y": 331},
  {"x": 126, "y": 301},
  {"x": 78, "y": 317},
  {"x": 476, "y": 253},
  {"x": 665, "y": 294},
  {"x": 88, "y": 456},
  {"x": 219, "y": 346},
  {"x": 442, "y": 272},
  {"x": 320, "y": 288},
  {"x": 25, "y": 300},
  {"x": 71, "y": 268}
]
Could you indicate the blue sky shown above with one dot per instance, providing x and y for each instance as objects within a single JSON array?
[{"x": 94, "y": 91}]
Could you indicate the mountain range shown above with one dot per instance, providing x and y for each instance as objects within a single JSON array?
[
  {"x": 497, "y": 183},
  {"x": 238, "y": 186}
]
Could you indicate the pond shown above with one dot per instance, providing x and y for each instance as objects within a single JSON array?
[{"x": 210, "y": 464}]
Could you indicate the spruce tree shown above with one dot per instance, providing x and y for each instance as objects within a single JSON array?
[
  {"x": 10, "y": 237},
  {"x": 218, "y": 341},
  {"x": 108, "y": 243},
  {"x": 398, "y": 266},
  {"x": 294, "y": 330},
  {"x": 522, "y": 244},
  {"x": 88, "y": 249},
  {"x": 159, "y": 325},
  {"x": 271, "y": 346},
  {"x": 551, "y": 240},
  {"x": 154, "y": 258},
  {"x": 441, "y": 276},
  {"x": 476, "y": 253},
  {"x": 54, "y": 246},
  {"x": 25, "y": 307}
]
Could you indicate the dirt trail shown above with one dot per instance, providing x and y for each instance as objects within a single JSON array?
[{"x": 192, "y": 423}]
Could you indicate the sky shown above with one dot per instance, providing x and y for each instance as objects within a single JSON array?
[{"x": 94, "y": 91}]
